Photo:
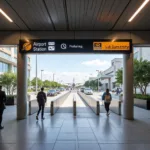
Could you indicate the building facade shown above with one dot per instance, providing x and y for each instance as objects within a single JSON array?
[
  {"x": 108, "y": 77},
  {"x": 8, "y": 59}
]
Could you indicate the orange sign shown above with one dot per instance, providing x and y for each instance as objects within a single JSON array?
[
  {"x": 115, "y": 46},
  {"x": 27, "y": 46}
]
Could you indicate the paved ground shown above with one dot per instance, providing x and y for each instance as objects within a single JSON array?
[{"x": 84, "y": 132}]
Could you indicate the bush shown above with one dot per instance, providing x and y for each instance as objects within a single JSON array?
[
  {"x": 140, "y": 96},
  {"x": 10, "y": 99},
  {"x": 30, "y": 90}
]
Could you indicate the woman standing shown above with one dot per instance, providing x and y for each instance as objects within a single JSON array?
[{"x": 107, "y": 100}]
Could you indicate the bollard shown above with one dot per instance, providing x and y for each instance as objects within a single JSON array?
[
  {"x": 98, "y": 108},
  {"x": 52, "y": 108},
  {"x": 74, "y": 108}
]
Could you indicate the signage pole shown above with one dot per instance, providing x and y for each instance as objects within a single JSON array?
[{"x": 36, "y": 74}]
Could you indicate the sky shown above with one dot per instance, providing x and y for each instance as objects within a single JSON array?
[{"x": 68, "y": 67}]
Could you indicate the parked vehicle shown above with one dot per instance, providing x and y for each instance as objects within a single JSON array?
[
  {"x": 58, "y": 91},
  {"x": 88, "y": 91},
  {"x": 62, "y": 89},
  {"x": 52, "y": 93},
  {"x": 82, "y": 89}
]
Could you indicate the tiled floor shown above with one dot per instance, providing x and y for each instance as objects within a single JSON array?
[{"x": 84, "y": 132}]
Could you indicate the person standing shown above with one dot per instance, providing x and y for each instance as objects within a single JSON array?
[
  {"x": 107, "y": 100},
  {"x": 2, "y": 105},
  {"x": 41, "y": 98}
]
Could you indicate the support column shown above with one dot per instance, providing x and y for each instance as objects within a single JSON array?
[
  {"x": 109, "y": 83},
  {"x": 128, "y": 110},
  {"x": 21, "y": 86}
]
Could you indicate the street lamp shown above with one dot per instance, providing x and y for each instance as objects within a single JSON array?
[
  {"x": 89, "y": 81},
  {"x": 53, "y": 76},
  {"x": 41, "y": 74},
  {"x": 36, "y": 74},
  {"x": 98, "y": 80}
]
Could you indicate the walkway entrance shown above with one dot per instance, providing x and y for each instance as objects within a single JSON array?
[{"x": 75, "y": 46}]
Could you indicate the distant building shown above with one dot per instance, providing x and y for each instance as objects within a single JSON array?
[
  {"x": 108, "y": 77},
  {"x": 8, "y": 59}
]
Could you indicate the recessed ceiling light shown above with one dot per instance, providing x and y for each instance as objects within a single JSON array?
[
  {"x": 139, "y": 9},
  {"x": 5, "y": 15}
]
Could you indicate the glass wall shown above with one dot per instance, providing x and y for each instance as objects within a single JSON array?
[{"x": 3, "y": 67}]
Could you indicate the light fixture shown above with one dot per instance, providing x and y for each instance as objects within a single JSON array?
[
  {"x": 138, "y": 10},
  {"x": 5, "y": 15}
]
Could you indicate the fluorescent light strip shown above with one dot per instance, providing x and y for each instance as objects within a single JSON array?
[
  {"x": 5, "y": 15},
  {"x": 139, "y": 9}
]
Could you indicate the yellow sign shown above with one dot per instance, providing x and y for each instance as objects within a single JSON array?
[
  {"x": 27, "y": 46},
  {"x": 116, "y": 46}
]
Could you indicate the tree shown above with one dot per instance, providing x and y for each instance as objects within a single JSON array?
[
  {"x": 93, "y": 84},
  {"x": 47, "y": 84},
  {"x": 142, "y": 74},
  {"x": 9, "y": 81},
  {"x": 119, "y": 76},
  {"x": 39, "y": 82}
]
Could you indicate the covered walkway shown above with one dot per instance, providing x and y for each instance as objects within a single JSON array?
[{"x": 84, "y": 132}]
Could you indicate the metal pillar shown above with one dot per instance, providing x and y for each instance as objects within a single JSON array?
[
  {"x": 109, "y": 83},
  {"x": 21, "y": 86},
  {"x": 128, "y": 110}
]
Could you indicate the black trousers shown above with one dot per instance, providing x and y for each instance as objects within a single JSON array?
[
  {"x": 41, "y": 107},
  {"x": 107, "y": 106},
  {"x": 1, "y": 116}
]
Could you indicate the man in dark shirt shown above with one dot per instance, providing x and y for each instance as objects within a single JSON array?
[
  {"x": 41, "y": 98},
  {"x": 2, "y": 105}
]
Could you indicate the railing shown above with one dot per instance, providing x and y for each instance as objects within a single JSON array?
[
  {"x": 91, "y": 102},
  {"x": 74, "y": 106},
  {"x": 55, "y": 104},
  {"x": 115, "y": 106}
]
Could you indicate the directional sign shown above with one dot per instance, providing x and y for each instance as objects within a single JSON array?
[{"x": 75, "y": 46}]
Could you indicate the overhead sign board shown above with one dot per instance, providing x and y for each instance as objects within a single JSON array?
[{"x": 75, "y": 46}]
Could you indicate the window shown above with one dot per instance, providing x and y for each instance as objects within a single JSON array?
[
  {"x": 28, "y": 59},
  {"x": 3, "y": 67},
  {"x": 136, "y": 55},
  {"x": 6, "y": 48},
  {"x": 15, "y": 50}
]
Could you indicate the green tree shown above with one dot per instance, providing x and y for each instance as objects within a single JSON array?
[
  {"x": 142, "y": 74},
  {"x": 9, "y": 81},
  {"x": 119, "y": 76},
  {"x": 47, "y": 84},
  {"x": 39, "y": 82}
]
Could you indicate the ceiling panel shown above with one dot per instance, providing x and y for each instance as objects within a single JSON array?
[
  {"x": 57, "y": 12},
  {"x": 74, "y": 15},
  {"x": 33, "y": 12},
  {"x": 123, "y": 23},
  {"x": 5, "y": 24},
  {"x": 141, "y": 21}
]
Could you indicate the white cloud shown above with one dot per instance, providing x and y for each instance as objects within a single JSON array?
[{"x": 96, "y": 62}]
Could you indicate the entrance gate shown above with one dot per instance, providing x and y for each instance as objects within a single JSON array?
[{"x": 81, "y": 47}]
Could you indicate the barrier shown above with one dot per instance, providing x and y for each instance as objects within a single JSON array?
[
  {"x": 33, "y": 107},
  {"x": 115, "y": 107},
  {"x": 91, "y": 102},
  {"x": 74, "y": 106},
  {"x": 55, "y": 104}
]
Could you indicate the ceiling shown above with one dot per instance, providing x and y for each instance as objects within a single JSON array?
[{"x": 74, "y": 15}]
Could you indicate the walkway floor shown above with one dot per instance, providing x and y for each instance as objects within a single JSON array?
[{"x": 65, "y": 132}]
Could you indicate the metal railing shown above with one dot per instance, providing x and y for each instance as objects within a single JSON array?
[
  {"x": 91, "y": 102},
  {"x": 74, "y": 106},
  {"x": 55, "y": 104}
]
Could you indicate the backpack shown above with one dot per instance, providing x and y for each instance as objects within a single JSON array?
[
  {"x": 107, "y": 98},
  {"x": 41, "y": 97}
]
